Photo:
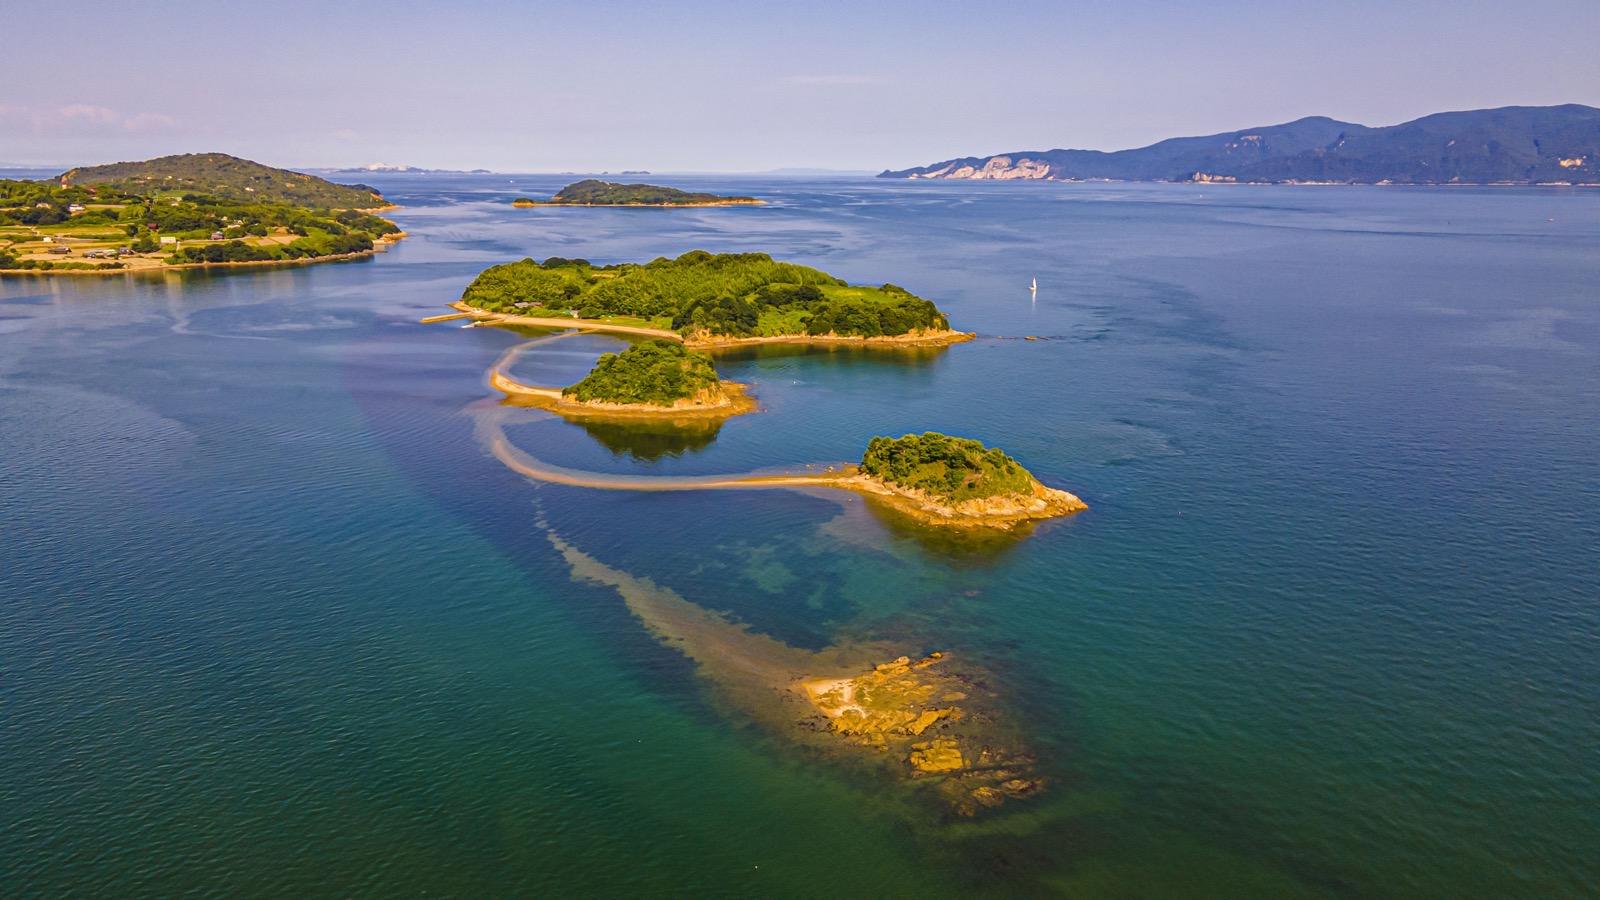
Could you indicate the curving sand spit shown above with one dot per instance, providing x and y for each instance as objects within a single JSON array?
[{"x": 1002, "y": 513}]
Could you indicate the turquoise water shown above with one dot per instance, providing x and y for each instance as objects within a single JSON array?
[{"x": 274, "y": 622}]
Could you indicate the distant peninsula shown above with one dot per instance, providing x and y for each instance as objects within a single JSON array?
[
  {"x": 593, "y": 192},
  {"x": 1513, "y": 145},
  {"x": 705, "y": 300},
  {"x": 189, "y": 211}
]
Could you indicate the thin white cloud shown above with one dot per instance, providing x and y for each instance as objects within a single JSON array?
[
  {"x": 82, "y": 120},
  {"x": 835, "y": 80}
]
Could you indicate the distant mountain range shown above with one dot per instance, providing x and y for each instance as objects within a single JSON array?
[
  {"x": 1509, "y": 145},
  {"x": 392, "y": 168},
  {"x": 228, "y": 177}
]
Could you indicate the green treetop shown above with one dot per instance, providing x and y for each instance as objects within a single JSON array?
[
  {"x": 950, "y": 468},
  {"x": 656, "y": 373}
]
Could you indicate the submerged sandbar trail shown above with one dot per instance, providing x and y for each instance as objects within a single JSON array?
[{"x": 933, "y": 722}]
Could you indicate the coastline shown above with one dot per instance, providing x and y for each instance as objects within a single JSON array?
[
  {"x": 1002, "y": 512},
  {"x": 381, "y": 246},
  {"x": 911, "y": 339},
  {"x": 532, "y": 204},
  {"x": 735, "y": 402}
]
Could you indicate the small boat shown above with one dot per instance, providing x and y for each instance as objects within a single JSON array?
[
  {"x": 470, "y": 325},
  {"x": 1034, "y": 287}
]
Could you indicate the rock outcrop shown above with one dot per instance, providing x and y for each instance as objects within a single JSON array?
[
  {"x": 996, "y": 168},
  {"x": 919, "y": 714},
  {"x": 1002, "y": 511}
]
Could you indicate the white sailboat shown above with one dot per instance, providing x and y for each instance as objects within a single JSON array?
[{"x": 1034, "y": 287}]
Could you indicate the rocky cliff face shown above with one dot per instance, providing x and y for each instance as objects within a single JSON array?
[{"x": 996, "y": 168}]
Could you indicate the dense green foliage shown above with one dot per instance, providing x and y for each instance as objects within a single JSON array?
[
  {"x": 227, "y": 177},
  {"x": 300, "y": 248},
  {"x": 658, "y": 373},
  {"x": 950, "y": 468},
  {"x": 132, "y": 220},
  {"x": 591, "y": 191},
  {"x": 734, "y": 294},
  {"x": 1516, "y": 144}
]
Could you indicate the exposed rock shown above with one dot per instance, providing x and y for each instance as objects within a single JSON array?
[
  {"x": 936, "y": 757},
  {"x": 1002, "y": 511},
  {"x": 891, "y": 706}
]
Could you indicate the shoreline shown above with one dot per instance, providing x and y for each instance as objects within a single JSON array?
[
  {"x": 736, "y": 402},
  {"x": 1000, "y": 512},
  {"x": 534, "y": 204},
  {"x": 377, "y": 247},
  {"x": 911, "y": 339},
  {"x": 1412, "y": 184}
]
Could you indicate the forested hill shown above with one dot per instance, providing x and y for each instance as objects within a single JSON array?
[
  {"x": 227, "y": 177},
  {"x": 1513, "y": 144}
]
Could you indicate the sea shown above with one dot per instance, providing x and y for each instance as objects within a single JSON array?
[{"x": 274, "y": 621}]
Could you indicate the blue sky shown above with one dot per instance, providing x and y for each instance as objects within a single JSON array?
[{"x": 747, "y": 85}]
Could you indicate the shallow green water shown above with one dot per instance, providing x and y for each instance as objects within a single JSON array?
[{"x": 273, "y": 622}]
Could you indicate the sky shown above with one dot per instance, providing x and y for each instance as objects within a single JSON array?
[{"x": 747, "y": 86}]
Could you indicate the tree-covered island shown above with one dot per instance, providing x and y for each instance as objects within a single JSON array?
[
  {"x": 706, "y": 299},
  {"x": 655, "y": 377},
  {"x": 184, "y": 211},
  {"x": 593, "y": 192},
  {"x": 957, "y": 481}
]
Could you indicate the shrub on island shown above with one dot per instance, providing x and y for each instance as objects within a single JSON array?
[
  {"x": 655, "y": 373},
  {"x": 952, "y": 469}
]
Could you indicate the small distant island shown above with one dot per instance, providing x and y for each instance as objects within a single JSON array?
[
  {"x": 189, "y": 211},
  {"x": 593, "y": 192},
  {"x": 706, "y": 300},
  {"x": 652, "y": 379}
]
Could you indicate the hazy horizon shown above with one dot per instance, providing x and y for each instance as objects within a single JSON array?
[{"x": 717, "y": 87}]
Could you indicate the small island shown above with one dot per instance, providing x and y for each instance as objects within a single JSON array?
[
  {"x": 189, "y": 211},
  {"x": 953, "y": 481},
  {"x": 593, "y": 192},
  {"x": 653, "y": 379},
  {"x": 706, "y": 300}
]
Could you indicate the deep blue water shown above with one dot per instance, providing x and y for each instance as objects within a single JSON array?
[{"x": 272, "y": 621}]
